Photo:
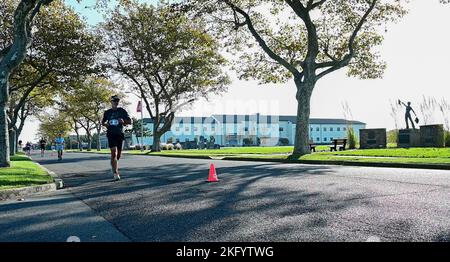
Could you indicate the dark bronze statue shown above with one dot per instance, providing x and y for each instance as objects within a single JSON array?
[{"x": 408, "y": 114}]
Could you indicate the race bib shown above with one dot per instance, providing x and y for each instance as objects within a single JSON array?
[{"x": 114, "y": 122}]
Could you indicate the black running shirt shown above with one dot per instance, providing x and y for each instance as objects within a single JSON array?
[{"x": 112, "y": 116}]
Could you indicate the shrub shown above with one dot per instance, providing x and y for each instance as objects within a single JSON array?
[
  {"x": 351, "y": 138},
  {"x": 170, "y": 146},
  {"x": 392, "y": 136},
  {"x": 247, "y": 141},
  {"x": 447, "y": 138},
  {"x": 283, "y": 141},
  {"x": 163, "y": 146},
  {"x": 178, "y": 146}
]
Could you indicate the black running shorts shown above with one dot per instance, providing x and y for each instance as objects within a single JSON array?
[{"x": 115, "y": 140}]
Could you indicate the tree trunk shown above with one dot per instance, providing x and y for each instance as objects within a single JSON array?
[
  {"x": 301, "y": 145},
  {"x": 156, "y": 147},
  {"x": 89, "y": 137},
  {"x": 12, "y": 142},
  {"x": 80, "y": 145},
  {"x": 99, "y": 146},
  {"x": 4, "y": 136},
  {"x": 19, "y": 132}
]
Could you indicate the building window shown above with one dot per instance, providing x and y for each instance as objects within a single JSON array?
[
  {"x": 195, "y": 129},
  {"x": 345, "y": 129},
  {"x": 324, "y": 129},
  {"x": 281, "y": 129},
  {"x": 186, "y": 129},
  {"x": 324, "y": 139},
  {"x": 317, "y": 129},
  {"x": 331, "y": 139},
  {"x": 331, "y": 129},
  {"x": 338, "y": 129},
  {"x": 246, "y": 129},
  {"x": 177, "y": 129},
  {"x": 311, "y": 129},
  {"x": 318, "y": 139},
  {"x": 213, "y": 129}
]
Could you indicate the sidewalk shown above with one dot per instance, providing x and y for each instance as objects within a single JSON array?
[{"x": 54, "y": 217}]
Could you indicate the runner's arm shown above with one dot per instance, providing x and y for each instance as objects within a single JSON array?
[
  {"x": 104, "y": 120},
  {"x": 126, "y": 119}
]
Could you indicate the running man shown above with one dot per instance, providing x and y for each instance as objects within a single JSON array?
[
  {"x": 42, "y": 143},
  {"x": 114, "y": 119},
  {"x": 28, "y": 149},
  {"x": 60, "y": 145}
]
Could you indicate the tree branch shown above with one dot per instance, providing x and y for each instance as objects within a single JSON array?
[
  {"x": 351, "y": 52},
  {"x": 261, "y": 41}
]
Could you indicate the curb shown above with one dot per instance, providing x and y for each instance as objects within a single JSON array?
[
  {"x": 345, "y": 163},
  {"x": 314, "y": 162},
  {"x": 9, "y": 194},
  {"x": 178, "y": 156},
  {"x": 59, "y": 183},
  {"x": 18, "y": 193}
]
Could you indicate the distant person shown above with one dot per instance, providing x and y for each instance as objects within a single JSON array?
[
  {"x": 114, "y": 119},
  {"x": 20, "y": 145},
  {"x": 60, "y": 145},
  {"x": 408, "y": 114},
  {"x": 42, "y": 144},
  {"x": 28, "y": 148}
]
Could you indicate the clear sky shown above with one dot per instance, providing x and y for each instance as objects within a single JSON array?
[{"x": 417, "y": 54}]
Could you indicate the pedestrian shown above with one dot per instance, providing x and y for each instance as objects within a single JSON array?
[
  {"x": 42, "y": 143},
  {"x": 114, "y": 119},
  {"x": 28, "y": 148},
  {"x": 60, "y": 145}
]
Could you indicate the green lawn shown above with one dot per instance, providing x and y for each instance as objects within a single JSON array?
[
  {"x": 378, "y": 159},
  {"x": 23, "y": 172},
  {"x": 417, "y": 152}
]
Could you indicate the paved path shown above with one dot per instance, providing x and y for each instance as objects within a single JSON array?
[{"x": 167, "y": 199}]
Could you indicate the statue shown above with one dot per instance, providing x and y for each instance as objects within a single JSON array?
[{"x": 408, "y": 114}]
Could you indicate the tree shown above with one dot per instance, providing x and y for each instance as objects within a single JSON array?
[
  {"x": 51, "y": 125},
  {"x": 34, "y": 105},
  {"x": 168, "y": 59},
  {"x": 16, "y": 38},
  {"x": 86, "y": 103},
  {"x": 51, "y": 63},
  {"x": 301, "y": 39},
  {"x": 11, "y": 55},
  {"x": 136, "y": 128}
]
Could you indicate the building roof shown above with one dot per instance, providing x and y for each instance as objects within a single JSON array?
[
  {"x": 319, "y": 121},
  {"x": 261, "y": 118}
]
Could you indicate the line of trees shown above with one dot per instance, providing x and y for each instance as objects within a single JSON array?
[{"x": 170, "y": 54}]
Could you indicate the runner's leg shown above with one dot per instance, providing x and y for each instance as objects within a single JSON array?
[{"x": 114, "y": 159}]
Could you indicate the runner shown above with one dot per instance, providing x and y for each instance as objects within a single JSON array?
[
  {"x": 114, "y": 119},
  {"x": 60, "y": 145},
  {"x": 28, "y": 149},
  {"x": 42, "y": 143}
]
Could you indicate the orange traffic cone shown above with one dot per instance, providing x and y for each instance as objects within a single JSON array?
[{"x": 212, "y": 174}]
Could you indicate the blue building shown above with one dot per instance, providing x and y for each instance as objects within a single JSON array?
[{"x": 231, "y": 130}]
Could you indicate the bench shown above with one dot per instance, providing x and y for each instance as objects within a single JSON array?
[
  {"x": 338, "y": 144},
  {"x": 312, "y": 146}
]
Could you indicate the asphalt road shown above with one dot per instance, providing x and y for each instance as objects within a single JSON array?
[{"x": 168, "y": 199}]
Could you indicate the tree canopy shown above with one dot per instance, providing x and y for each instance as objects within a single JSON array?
[{"x": 167, "y": 58}]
